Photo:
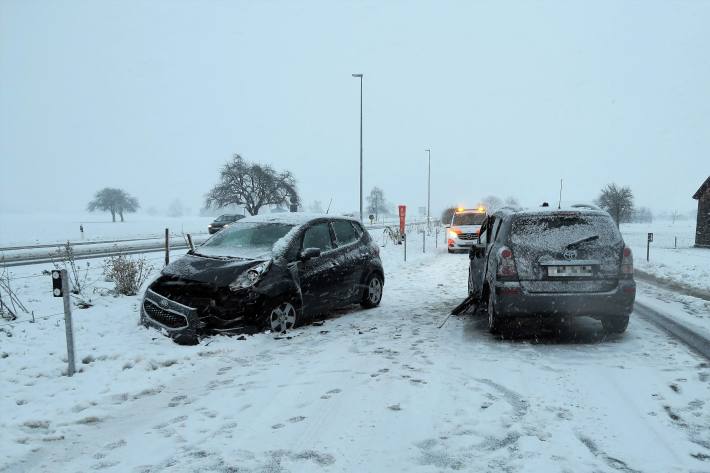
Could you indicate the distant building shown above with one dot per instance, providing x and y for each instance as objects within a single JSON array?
[{"x": 702, "y": 230}]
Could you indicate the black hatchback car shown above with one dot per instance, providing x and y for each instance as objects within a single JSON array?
[
  {"x": 552, "y": 263},
  {"x": 265, "y": 272}
]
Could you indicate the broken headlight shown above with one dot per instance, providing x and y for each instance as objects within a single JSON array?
[{"x": 250, "y": 277}]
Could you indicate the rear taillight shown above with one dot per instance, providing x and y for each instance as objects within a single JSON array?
[
  {"x": 627, "y": 263},
  {"x": 506, "y": 264}
]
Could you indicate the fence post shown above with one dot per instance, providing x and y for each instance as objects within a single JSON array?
[
  {"x": 67, "y": 322},
  {"x": 189, "y": 242},
  {"x": 404, "y": 237},
  {"x": 423, "y": 242},
  {"x": 436, "y": 240},
  {"x": 675, "y": 242},
  {"x": 167, "y": 247}
]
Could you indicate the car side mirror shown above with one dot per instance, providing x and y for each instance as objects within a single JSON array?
[{"x": 310, "y": 253}]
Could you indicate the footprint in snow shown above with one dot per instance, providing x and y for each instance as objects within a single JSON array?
[
  {"x": 293, "y": 420},
  {"x": 277, "y": 426}
]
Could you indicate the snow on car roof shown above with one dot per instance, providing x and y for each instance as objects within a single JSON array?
[
  {"x": 290, "y": 218},
  {"x": 579, "y": 209}
]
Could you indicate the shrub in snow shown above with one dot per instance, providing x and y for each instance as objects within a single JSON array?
[
  {"x": 128, "y": 274},
  {"x": 64, "y": 258}
]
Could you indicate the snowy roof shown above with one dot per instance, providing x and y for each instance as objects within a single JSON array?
[
  {"x": 587, "y": 209},
  {"x": 290, "y": 218},
  {"x": 702, "y": 189}
]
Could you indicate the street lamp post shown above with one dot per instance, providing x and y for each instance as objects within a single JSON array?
[
  {"x": 428, "y": 190},
  {"x": 360, "y": 76}
]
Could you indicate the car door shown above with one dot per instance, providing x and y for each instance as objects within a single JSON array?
[
  {"x": 350, "y": 260},
  {"x": 476, "y": 265},
  {"x": 317, "y": 275}
]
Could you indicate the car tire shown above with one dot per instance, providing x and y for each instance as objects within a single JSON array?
[
  {"x": 281, "y": 316},
  {"x": 495, "y": 324},
  {"x": 615, "y": 324},
  {"x": 449, "y": 250},
  {"x": 372, "y": 295}
]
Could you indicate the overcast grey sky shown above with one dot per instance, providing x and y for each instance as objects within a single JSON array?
[{"x": 154, "y": 96}]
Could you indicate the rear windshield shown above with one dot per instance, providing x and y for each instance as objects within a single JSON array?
[
  {"x": 468, "y": 219},
  {"x": 555, "y": 232}
]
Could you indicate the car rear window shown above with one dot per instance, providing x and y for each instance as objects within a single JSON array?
[
  {"x": 469, "y": 219},
  {"x": 345, "y": 232},
  {"x": 557, "y": 231}
]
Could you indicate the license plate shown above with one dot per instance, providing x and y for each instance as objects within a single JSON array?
[{"x": 570, "y": 271}]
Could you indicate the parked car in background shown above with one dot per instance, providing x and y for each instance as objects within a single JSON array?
[
  {"x": 266, "y": 272},
  {"x": 222, "y": 221},
  {"x": 464, "y": 228},
  {"x": 552, "y": 263}
]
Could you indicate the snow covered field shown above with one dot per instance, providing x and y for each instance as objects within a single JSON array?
[
  {"x": 684, "y": 264},
  {"x": 377, "y": 390},
  {"x": 32, "y": 229}
]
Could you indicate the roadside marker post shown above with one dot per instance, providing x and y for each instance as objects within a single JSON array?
[
  {"x": 167, "y": 247},
  {"x": 648, "y": 246},
  {"x": 60, "y": 288},
  {"x": 404, "y": 237},
  {"x": 423, "y": 242},
  {"x": 436, "y": 240}
]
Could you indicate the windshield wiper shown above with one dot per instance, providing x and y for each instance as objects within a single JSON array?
[{"x": 583, "y": 240}]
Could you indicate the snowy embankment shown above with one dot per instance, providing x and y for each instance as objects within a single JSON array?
[{"x": 672, "y": 255}]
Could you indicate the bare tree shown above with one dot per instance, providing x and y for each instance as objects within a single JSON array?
[
  {"x": 316, "y": 207},
  {"x": 376, "y": 203},
  {"x": 116, "y": 201},
  {"x": 176, "y": 209},
  {"x": 447, "y": 215},
  {"x": 675, "y": 215},
  {"x": 512, "y": 201},
  {"x": 618, "y": 201},
  {"x": 252, "y": 186},
  {"x": 491, "y": 202}
]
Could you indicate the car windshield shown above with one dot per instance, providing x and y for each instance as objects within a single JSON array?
[
  {"x": 469, "y": 218},
  {"x": 225, "y": 218},
  {"x": 245, "y": 240}
]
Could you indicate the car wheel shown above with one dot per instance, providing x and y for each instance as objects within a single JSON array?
[
  {"x": 615, "y": 324},
  {"x": 449, "y": 250},
  {"x": 494, "y": 321},
  {"x": 373, "y": 291},
  {"x": 281, "y": 317}
]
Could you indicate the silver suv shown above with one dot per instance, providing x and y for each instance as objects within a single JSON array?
[{"x": 552, "y": 262}]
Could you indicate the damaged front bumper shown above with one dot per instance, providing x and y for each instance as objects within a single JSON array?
[{"x": 175, "y": 320}]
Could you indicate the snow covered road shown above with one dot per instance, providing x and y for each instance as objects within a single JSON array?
[{"x": 378, "y": 390}]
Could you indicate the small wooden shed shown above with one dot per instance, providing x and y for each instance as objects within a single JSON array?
[{"x": 702, "y": 230}]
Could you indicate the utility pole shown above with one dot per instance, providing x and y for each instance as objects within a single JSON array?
[
  {"x": 428, "y": 190},
  {"x": 360, "y": 76}
]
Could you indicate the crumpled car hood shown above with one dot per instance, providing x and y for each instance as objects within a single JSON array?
[{"x": 214, "y": 271}]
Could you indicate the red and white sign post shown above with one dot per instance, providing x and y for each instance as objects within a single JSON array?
[{"x": 403, "y": 236}]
